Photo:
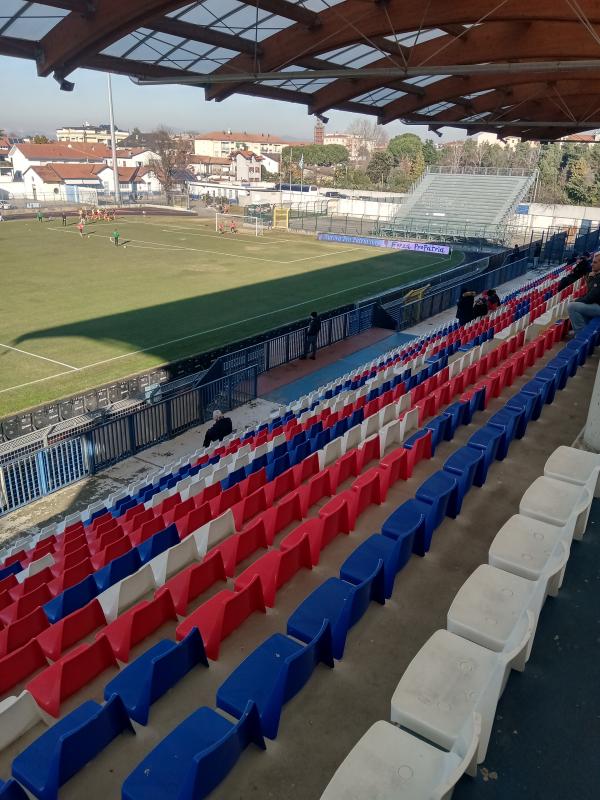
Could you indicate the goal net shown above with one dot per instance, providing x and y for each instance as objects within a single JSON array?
[
  {"x": 238, "y": 223},
  {"x": 281, "y": 218}
]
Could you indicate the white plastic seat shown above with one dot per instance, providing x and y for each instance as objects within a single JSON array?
[
  {"x": 409, "y": 423},
  {"x": 403, "y": 404},
  {"x": 216, "y": 530},
  {"x": 387, "y": 414},
  {"x": 448, "y": 680},
  {"x": 174, "y": 559},
  {"x": 261, "y": 450},
  {"x": 275, "y": 441},
  {"x": 193, "y": 489},
  {"x": 330, "y": 453},
  {"x": 390, "y": 435},
  {"x": 219, "y": 474},
  {"x": 558, "y": 503},
  {"x": 17, "y": 715},
  {"x": 240, "y": 461},
  {"x": 125, "y": 593},
  {"x": 35, "y": 566},
  {"x": 157, "y": 498},
  {"x": 388, "y": 763},
  {"x": 498, "y": 610},
  {"x": 532, "y": 549},
  {"x": 185, "y": 483},
  {"x": 370, "y": 426},
  {"x": 352, "y": 438},
  {"x": 575, "y": 466}
]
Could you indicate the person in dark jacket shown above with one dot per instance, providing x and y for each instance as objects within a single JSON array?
[
  {"x": 312, "y": 334},
  {"x": 480, "y": 308},
  {"x": 516, "y": 254},
  {"x": 222, "y": 428},
  {"x": 581, "y": 267},
  {"x": 586, "y": 308},
  {"x": 493, "y": 301},
  {"x": 464, "y": 309}
]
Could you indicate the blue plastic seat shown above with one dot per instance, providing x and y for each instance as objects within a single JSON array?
[
  {"x": 459, "y": 413},
  {"x": 116, "y": 570},
  {"x": 466, "y": 465},
  {"x": 257, "y": 464},
  {"x": 527, "y": 402},
  {"x": 234, "y": 477},
  {"x": 299, "y": 453},
  {"x": 272, "y": 674},
  {"x": 393, "y": 551},
  {"x": 151, "y": 675},
  {"x": 298, "y": 439},
  {"x": 509, "y": 420},
  {"x": 157, "y": 544},
  {"x": 441, "y": 428},
  {"x": 11, "y": 790},
  {"x": 560, "y": 367},
  {"x": 550, "y": 378},
  {"x": 194, "y": 758},
  {"x": 12, "y": 569},
  {"x": 571, "y": 359},
  {"x": 356, "y": 418},
  {"x": 68, "y": 745},
  {"x": 72, "y": 599},
  {"x": 320, "y": 440},
  {"x": 539, "y": 390},
  {"x": 440, "y": 491},
  {"x": 581, "y": 346},
  {"x": 340, "y": 602},
  {"x": 278, "y": 466},
  {"x": 477, "y": 400},
  {"x": 278, "y": 451},
  {"x": 121, "y": 507},
  {"x": 488, "y": 440},
  {"x": 340, "y": 428}
]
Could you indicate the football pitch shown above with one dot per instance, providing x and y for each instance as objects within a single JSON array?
[{"x": 78, "y": 312}]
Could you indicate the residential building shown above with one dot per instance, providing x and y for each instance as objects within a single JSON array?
[
  {"x": 132, "y": 180},
  {"x": 91, "y": 134},
  {"x": 247, "y": 166},
  {"x": 25, "y": 155},
  {"x": 587, "y": 139},
  {"x": 209, "y": 166},
  {"x": 358, "y": 147},
  {"x": 485, "y": 137},
  {"x": 63, "y": 181},
  {"x": 223, "y": 143}
]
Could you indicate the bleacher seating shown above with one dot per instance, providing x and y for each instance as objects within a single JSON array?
[{"x": 402, "y": 408}]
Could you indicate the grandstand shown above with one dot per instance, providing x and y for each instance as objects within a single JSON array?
[
  {"x": 134, "y": 596},
  {"x": 462, "y": 203}
]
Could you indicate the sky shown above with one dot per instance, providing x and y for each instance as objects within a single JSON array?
[{"x": 30, "y": 104}]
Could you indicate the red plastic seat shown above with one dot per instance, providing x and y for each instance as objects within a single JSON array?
[
  {"x": 369, "y": 451},
  {"x": 346, "y": 467},
  {"x": 15, "y": 667},
  {"x": 41, "y": 549},
  {"x": 337, "y": 518},
  {"x": 20, "y": 632},
  {"x": 421, "y": 449},
  {"x": 226, "y": 500},
  {"x": 318, "y": 487},
  {"x": 29, "y": 584},
  {"x": 306, "y": 469},
  {"x": 168, "y": 504},
  {"x": 369, "y": 490},
  {"x": 68, "y": 546},
  {"x": 109, "y": 537},
  {"x": 239, "y": 546},
  {"x": 110, "y": 524},
  {"x": 253, "y": 482},
  {"x": 395, "y": 467},
  {"x": 194, "y": 520},
  {"x": 135, "y": 524},
  {"x": 25, "y": 604},
  {"x": 71, "y": 576},
  {"x": 8, "y": 583},
  {"x": 284, "y": 513},
  {"x": 70, "y": 673},
  {"x": 284, "y": 483},
  {"x": 276, "y": 567},
  {"x": 249, "y": 507},
  {"x": 191, "y": 582},
  {"x": 139, "y": 622},
  {"x": 112, "y": 551},
  {"x": 65, "y": 562},
  {"x": 312, "y": 529},
  {"x": 147, "y": 529},
  {"x": 209, "y": 493},
  {"x": 179, "y": 511},
  {"x": 57, "y": 639},
  {"x": 218, "y": 617}
]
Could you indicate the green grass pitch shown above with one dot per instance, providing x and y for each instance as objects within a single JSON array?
[{"x": 78, "y": 312}]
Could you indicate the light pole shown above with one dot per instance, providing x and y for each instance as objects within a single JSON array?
[{"x": 113, "y": 144}]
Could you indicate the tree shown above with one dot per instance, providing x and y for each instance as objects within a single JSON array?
[
  {"x": 431, "y": 154},
  {"x": 551, "y": 180},
  {"x": 407, "y": 145},
  {"x": 172, "y": 156},
  {"x": 578, "y": 183},
  {"x": 316, "y": 155},
  {"x": 470, "y": 155},
  {"x": 372, "y": 136},
  {"x": 40, "y": 139},
  {"x": 380, "y": 166},
  {"x": 417, "y": 167}
]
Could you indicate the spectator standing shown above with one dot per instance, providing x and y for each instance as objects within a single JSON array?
[
  {"x": 587, "y": 307},
  {"x": 312, "y": 334},
  {"x": 537, "y": 252},
  {"x": 222, "y": 427},
  {"x": 480, "y": 307},
  {"x": 464, "y": 309},
  {"x": 516, "y": 254},
  {"x": 492, "y": 299},
  {"x": 64, "y": 219}
]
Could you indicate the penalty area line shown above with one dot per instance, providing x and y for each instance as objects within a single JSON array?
[{"x": 44, "y": 358}]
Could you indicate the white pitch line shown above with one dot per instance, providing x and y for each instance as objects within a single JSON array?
[
  {"x": 35, "y": 355},
  {"x": 30, "y": 383}
]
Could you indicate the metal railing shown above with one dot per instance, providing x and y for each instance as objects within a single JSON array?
[
  {"x": 36, "y": 471},
  {"x": 498, "y": 171}
]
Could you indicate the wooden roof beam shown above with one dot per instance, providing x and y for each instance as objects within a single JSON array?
[{"x": 200, "y": 33}]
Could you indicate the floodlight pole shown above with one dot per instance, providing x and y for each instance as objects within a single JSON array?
[{"x": 113, "y": 144}]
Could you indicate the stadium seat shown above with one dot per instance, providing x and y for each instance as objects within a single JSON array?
[
  {"x": 339, "y": 602},
  {"x": 218, "y": 617},
  {"x": 11, "y": 790},
  {"x": 117, "y": 570},
  {"x": 71, "y": 629},
  {"x": 575, "y": 466},
  {"x": 123, "y": 594},
  {"x": 18, "y": 714},
  {"x": 363, "y": 561},
  {"x": 153, "y": 673},
  {"x": 135, "y": 625},
  {"x": 389, "y": 762},
  {"x": 193, "y": 581},
  {"x": 272, "y": 674},
  {"x": 71, "y": 599},
  {"x": 70, "y": 673},
  {"x": 174, "y": 559},
  {"x": 558, "y": 503},
  {"x": 195, "y": 757},
  {"x": 68, "y": 745},
  {"x": 275, "y": 568},
  {"x": 20, "y": 664},
  {"x": 157, "y": 544}
]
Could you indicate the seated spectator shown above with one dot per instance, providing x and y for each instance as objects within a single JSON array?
[
  {"x": 586, "y": 308},
  {"x": 464, "y": 309},
  {"x": 581, "y": 268},
  {"x": 492, "y": 299},
  {"x": 480, "y": 308},
  {"x": 222, "y": 428}
]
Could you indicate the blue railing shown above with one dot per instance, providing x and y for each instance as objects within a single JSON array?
[{"x": 27, "y": 477}]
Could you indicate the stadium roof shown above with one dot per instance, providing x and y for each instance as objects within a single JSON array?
[{"x": 528, "y": 68}]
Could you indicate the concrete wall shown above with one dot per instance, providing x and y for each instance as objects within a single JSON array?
[{"x": 542, "y": 215}]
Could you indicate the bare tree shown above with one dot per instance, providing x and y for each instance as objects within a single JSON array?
[
  {"x": 172, "y": 156},
  {"x": 374, "y": 137}
]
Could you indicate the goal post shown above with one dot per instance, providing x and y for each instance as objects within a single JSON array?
[
  {"x": 238, "y": 223},
  {"x": 281, "y": 218}
]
